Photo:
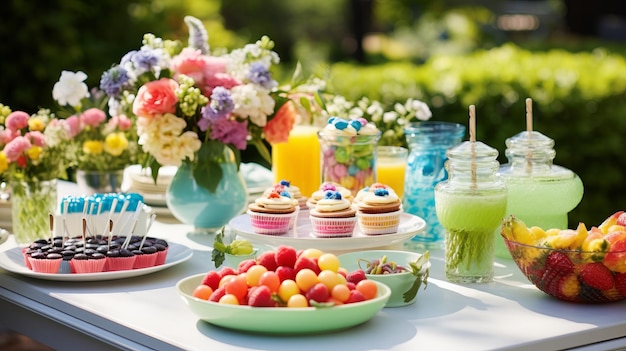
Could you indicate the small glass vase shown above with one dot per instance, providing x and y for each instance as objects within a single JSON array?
[
  {"x": 31, "y": 205},
  {"x": 208, "y": 212},
  {"x": 102, "y": 182}
]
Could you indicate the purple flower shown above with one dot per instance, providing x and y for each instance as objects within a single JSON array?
[
  {"x": 112, "y": 81},
  {"x": 142, "y": 60},
  {"x": 230, "y": 132},
  {"x": 260, "y": 75},
  {"x": 220, "y": 107},
  {"x": 198, "y": 37}
]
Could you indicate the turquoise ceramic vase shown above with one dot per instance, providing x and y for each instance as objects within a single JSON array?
[{"x": 207, "y": 212}]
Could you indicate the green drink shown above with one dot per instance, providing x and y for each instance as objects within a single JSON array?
[
  {"x": 470, "y": 221},
  {"x": 539, "y": 192},
  {"x": 470, "y": 205}
]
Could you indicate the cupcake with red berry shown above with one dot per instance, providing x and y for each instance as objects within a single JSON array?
[
  {"x": 325, "y": 187},
  {"x": 273, "y": 213},
  {"x": 294, "y": 191}
]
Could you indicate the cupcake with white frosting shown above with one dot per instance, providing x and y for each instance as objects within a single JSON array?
[
  {"x": 273, "y": 213},
  {"x": 333, "y": 216},
  {"x": 378, "y": 212}
]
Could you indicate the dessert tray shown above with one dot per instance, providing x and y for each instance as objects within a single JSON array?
[
  {"x": 301, "y": 236},
  {"x": 13, "y": 261}
]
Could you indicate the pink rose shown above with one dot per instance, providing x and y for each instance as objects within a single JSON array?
[
  {"x": 121, "y": 122},
  {"x": 191, "y": 63},
  {"x": 17, "y": 120},
  {"x": 215, "y": 75},
  {"x": 16, "y": 147},
  {"x": 93, "y": 117},
  {"x": 8, "y": 135},
  {"x": 156, "y": 97},
  {"x": 72, "y": 125},
  {"x": 277, "y": 129},
  {"x": 36, "y": 138}
]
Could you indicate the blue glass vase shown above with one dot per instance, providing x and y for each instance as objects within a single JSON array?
[
  {"x": 428, "y": 143},
  {"x": 208, "y": 212}
]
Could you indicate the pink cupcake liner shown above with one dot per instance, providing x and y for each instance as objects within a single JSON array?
[
  {"x": 119, "y": 263},
  {"x": 333, "y": 227},
  {"x": 87, "y": 266},
  {"x": 271, "y": 224},
  {"x": 45, "y": 265},
  {"x": 145, "y": 260},
  {"x": 161, "y": 256}
]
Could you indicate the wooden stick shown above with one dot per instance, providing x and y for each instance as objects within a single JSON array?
[
  {"x": 529, "y": 115},
  {"x": 472, "y": 133}
]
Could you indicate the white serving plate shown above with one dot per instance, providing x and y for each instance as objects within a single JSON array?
[
  {"x": 13, "y": 261},
  {"x": 301, "y": 236}
]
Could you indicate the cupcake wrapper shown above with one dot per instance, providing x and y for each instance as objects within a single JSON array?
[
  {"x": 333, "y": 227},
  {"x": 161, "y": 256},
  {"x": 145, "y": 261},
  {"x": 379, "y": 223},
  {"x": 119, "y": 263},
  {"x": 45, "y": 265},
  {"x": 272, "y": 224},
  {"x": 88, "y": 266}
]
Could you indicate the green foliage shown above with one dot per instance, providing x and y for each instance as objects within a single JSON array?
[{"x": 579, "y": 101}]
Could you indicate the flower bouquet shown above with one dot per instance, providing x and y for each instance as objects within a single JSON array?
[
  {"x": 32, "y": 157},
  {"x": 192, "y": 103}
]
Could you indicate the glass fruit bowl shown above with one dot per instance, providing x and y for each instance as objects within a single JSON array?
[{"x": 573, "y": 275}]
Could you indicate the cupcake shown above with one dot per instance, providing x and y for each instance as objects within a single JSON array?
[
  {"x": 294, "y": 191},
  {"x": 333, "y": 216},
  {"x": 328, "y": 186},
  {"x": 44, "y": 262},
  {"x": 378, "y": 212},
  {"x": 162, "y": 247},
  {"x": 273, "y": 213},
  {"x": 119, "y": 260},
  {"x": 145, "y": 257},
  {"x": 88, "y": 263}
]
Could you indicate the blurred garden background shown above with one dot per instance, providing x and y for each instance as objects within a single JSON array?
[{"x": 567, "y": 55}]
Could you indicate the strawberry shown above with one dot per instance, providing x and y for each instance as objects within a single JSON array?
[
  {"x": 286, "y": 256},
  {"x": 355, "y": 276},
  {"x": 224, "y": 271},
  {"x": 212, "y": 279},
  {"x": 620, "y": 283},
  {"x": 597, "y": 276},
  {"x": 268, "y": 260},
  {"x": 558, "y": 266},
  {"x": 306, "y": 262},
  {"x": 260, "y": 296}
]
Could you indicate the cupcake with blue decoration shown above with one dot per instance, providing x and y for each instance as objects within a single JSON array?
[
  {"x": 333, "y": 216},
  {"x": 379, "y": 212}
]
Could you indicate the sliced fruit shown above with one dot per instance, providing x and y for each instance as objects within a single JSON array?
[{"x": 610, "y": 221}]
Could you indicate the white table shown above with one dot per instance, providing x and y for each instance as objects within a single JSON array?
[{"x": 145, "y": 313}]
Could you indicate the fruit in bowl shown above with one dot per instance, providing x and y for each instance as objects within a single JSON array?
[
  {"x": 576, "y": 265},
  {"x": 403, "y": 271},
  {"x": 299, "y": 291}
]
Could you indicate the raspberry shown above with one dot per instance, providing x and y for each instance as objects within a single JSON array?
[
  {"x": 217, "y": 294},
  {"x": 268, "y": 260},
  {"x": 245, "y": 265},
  {"x": 318, "y": 293},
  {"x": 597, "y": 276},
  {"x": 260, "y": 296},
  {"x": 224, "y": 271},
  {"x": 304, "y": 262},
  {"x": 285, "y": 273},
  {"x": 212, "y": 279},
  {"x": 286, "y": 256},
  {"x": 355, "y": 276},
  {"x": 355, "y": 296}
]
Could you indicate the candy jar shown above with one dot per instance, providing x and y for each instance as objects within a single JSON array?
[
  {"x": 348, "y": 148},
  {"x": 428, "y": 143},
  {"x": 470, "y": 205},
  {"x": 540, "y": 193}
]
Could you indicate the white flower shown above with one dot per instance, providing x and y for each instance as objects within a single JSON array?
[
  {"x": 70, "y": 88},
  {"x": 389, "y": 117},
  {"x": 422, "y": 111},
  {"x": 252, "y": 103}
]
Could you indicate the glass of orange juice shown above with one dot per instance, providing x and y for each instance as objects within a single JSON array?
[
  {"x": 391, "y": 166},
  {"x": 298, "y": 160}
]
